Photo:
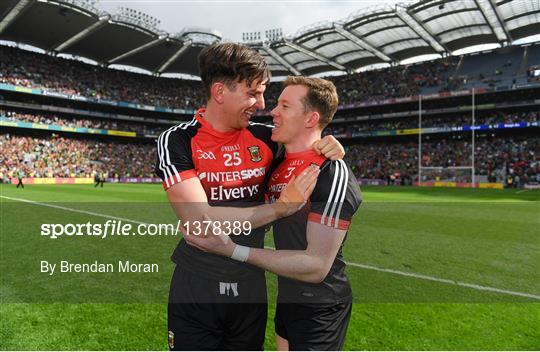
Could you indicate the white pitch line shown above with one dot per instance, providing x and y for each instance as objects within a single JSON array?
[
  {"x": 363, "y": 266},
  {"x": 75, "y": 210},
  {"x": 446, "y": 281}
]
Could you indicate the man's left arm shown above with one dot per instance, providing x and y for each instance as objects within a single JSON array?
[
  {"x": 310, "y": 265},
  {"x": 333, "y": 203}
]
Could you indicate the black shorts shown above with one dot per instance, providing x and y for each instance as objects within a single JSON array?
[
  {"x": 313, "y": 327},
  {"x": 206, "y": 314}
]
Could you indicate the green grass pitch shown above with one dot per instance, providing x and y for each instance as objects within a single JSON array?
[{"x": 431, "y": 269}]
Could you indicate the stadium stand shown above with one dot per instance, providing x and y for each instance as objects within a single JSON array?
[
  {"x": 64, "y": 118},
  {"x": 34, "y": 70},
  {"x": 496, "y": 159},
  {"x": 533, "y": 55},
  {"x": 488, "y": 118},
  {"x": 504, "y": 63},
  {"x": 57, "y": 156},
  {"x": 51, "y": 119},
  {"x": 428, "y": 77},
  {"x": 397, "y": 163},
  {"x": 68, "y": 157}
]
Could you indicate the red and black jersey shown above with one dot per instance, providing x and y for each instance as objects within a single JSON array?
[
  {"x": 334, "y": 201},
  {"x": 232, "y": 168}
]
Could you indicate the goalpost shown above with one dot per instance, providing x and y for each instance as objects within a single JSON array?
[{"x": 462, "y": 174}]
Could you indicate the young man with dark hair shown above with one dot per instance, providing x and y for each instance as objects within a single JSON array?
[
  {"x": 314, "y": 298},
  {"x": 216, "y": 161}
]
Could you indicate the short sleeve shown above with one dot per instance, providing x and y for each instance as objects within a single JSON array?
[
  {"x": 336, "y": 196},
  {"x": 174, "y": 158}
]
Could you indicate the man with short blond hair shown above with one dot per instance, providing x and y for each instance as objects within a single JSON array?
[{"x": 321, "y": 96}]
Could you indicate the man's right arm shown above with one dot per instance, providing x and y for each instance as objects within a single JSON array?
[
  {"x": 188, "y": 198},
  {"x": 190, "y": 203}
]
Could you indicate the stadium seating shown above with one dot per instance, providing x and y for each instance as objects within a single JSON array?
[
  {"x": 29, "y": 69},
  {"x": 533, "y": 57},
  {"x": 503, "y": 62},
  {"x": 486, "y": 118},
  {"x": 495, "y": 158},
  {"x": 52, "y": 119},
  {"x": 67, "y": 156}
]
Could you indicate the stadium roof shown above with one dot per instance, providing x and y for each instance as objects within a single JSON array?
[{"x": 381, "y": 34}]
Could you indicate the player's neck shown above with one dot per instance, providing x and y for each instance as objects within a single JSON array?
[
  {"x": 303, "y": 143},
  {"x": 216, "y": 117}
]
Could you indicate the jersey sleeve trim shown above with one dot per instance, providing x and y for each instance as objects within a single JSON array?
[
  {"x": 330, "y": 222},
  {"x": 168, "y": 170},
  {"x": 179, "y": 177},
  {"x": 334, "y": 203}
]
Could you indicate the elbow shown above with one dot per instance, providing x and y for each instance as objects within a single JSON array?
[
  {"x": 316, "y": 278},
  {"x": 319, "y": 274}
]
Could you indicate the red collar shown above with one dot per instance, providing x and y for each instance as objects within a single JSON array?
[{"x": 199, "y": 115}]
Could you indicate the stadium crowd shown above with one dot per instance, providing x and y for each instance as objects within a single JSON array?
[
  {"x": 339, "y": 129},
  {"x": 51, "y": 119},
  {"x": 67, "y": 157},
  {"x": 399, "y": 81},
  {"x": 35, "y": 70},
  {"x": 496, "y": 159},
  {"x": 482, "y": 118},
  {"x": 391, "y": 82}
]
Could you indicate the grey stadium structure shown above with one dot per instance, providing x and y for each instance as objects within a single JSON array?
[{"x": 383, "y": 34}]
